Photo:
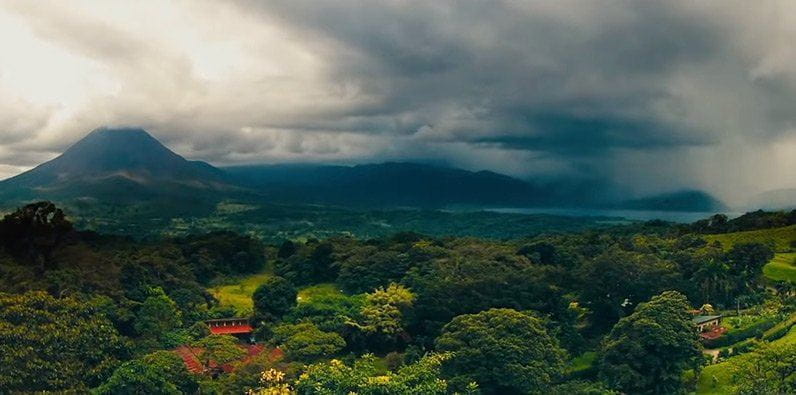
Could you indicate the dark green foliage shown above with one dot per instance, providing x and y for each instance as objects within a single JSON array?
[
  {"x": 503, "y": 350},
  {"x": 286, "y": 250},
  {"x": 542, "y": 252},
  {"x": 648, "y": 351},
  {"x": 162, "y": 372},
  {"x": 329, "y": 313},
  {"x": 581, "y": 388},
  {"x": 32, "y": 233},
  {"x": 310, "y": 264},
  {"x": 273, "y": 299},
  {"x": 477, "y": 281},
  {"x": 372, "y": 268},
  {"x": 54, "y": 344},
  {"x": 616, "y": 281},
  {"x": 305, "y": 342},
  {"x": 222, "y": 253}
]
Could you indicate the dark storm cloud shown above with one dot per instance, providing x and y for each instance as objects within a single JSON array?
[
  {"x": 589, "y": 81},
  {"x": 599, "y": 89}
]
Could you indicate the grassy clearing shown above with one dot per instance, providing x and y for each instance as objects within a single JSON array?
[
  {"x": 782, "y": 267},
  {"x": 723, "y": 371},
  {"x": 582, "y": 362},
  {"x": 239, "y": 295},
  {"x": 781, "y": 237},
  {"x": 319, "y": 290}
]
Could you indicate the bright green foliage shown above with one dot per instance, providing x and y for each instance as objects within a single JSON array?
[
  {"x": 335, "y": 377},
  {"x": 767, "y": 370},
  {"x": 503, "y": 350},
  {"x": 274, "y": 298},
  {"x": 157, "y": 316},
  {"x": 221, "y": 349},
  {"x": 329, "y": 312},
  {"x": 647, "y": 351},
  {"x": 384, "y": 310},
  {"x": 162, "y": 372},
  {"x": 305, "y": 342},
  {"x": 54, "y": 344}
]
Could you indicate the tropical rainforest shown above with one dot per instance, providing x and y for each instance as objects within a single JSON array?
[{"x": 595, "y": 311}]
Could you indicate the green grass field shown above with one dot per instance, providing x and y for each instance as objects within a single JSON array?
[
  {"x": 314, "y": 291},
  {"x": 582, "y": 362},
  {"x": 782, "y": 267},
  {"x": 723, "y": 371},
  {"x": 782, "y": 237},
  {"x": 239, "y": 295}
]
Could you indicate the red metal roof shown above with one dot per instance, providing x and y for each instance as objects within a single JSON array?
[{"x": 231, "y": 329}]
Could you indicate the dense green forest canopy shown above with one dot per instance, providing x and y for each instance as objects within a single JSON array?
[{"x": 409, "y": 312}]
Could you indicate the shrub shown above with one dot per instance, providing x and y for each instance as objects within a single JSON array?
[{"x": 755, "y": 330}]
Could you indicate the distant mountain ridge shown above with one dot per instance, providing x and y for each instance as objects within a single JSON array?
[
  {"x": 386, "y": 184},
  {"x": 129, "y": 165},
  {"x": 118, "y": 162},
  {"x": 686, "y": 200}
]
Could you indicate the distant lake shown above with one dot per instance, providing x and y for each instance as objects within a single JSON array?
[{"x": 639, "y": 215}]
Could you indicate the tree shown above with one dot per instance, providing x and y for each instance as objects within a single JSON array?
[
  {"x": 769, "y": 369},
  {"x": 162, "y": 372},
  {"x": 33, "y": 232},
  {"x": 329, "y": 312},
  {"x": 384, "y": 310},
  {"x": 157, "y": 316},
  {"x": 219, "y": 350},
  {"x": 746, "y": 261},
  {"x": 447, "y": 288},
  {"x": 647, "y": 351},
  {"x": 503, "y": 350},
  {"x": 49, "y": 344},
  {"x": 335, "y": 377},
  {"x": 616, "y": 280},
  {"x": 372, "y": 267},
  {"x": 305, "y": 342},
  {"x": 274, "y": 298}
]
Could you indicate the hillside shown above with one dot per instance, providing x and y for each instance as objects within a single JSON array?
[
  {"x": 782, "y": 238},
  {"x": 688, "y": 200},
  {"x": 113, "y": 165},
  {"x": 388, "y": 184},
  {"x": 783, "y": 266}
]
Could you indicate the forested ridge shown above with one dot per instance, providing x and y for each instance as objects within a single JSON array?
[{"x": 406, "y": 313}]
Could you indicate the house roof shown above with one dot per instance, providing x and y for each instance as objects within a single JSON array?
[
  {"x": 231, "y": 329},
  {"x": 701, "y": 319}
]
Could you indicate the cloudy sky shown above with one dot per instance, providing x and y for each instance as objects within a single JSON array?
[{"x": 648, "y": 95}]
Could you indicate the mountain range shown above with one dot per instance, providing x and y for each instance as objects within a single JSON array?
[{"x": 129, "y": 165}]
